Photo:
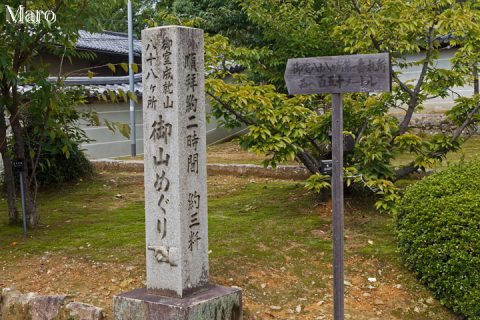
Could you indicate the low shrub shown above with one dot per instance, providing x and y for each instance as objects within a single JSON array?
[
  {"x": 438, "y": 231},
  {"x": 58, "y": 167}
]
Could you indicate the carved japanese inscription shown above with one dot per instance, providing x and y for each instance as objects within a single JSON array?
[{"x": 175, "y": 159}]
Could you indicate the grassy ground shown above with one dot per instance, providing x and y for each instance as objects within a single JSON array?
[
  {"x": 270, "y": 237},
  {"x": 226, "y": 152},
  {"x": 231, "y": 152},
  {"x": 470, "y": 150}
]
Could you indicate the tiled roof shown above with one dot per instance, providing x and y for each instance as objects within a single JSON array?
[
  {"x": 445, "y": 40},
  {"x": 109, "y": 42},
  {"x": 96, "y": 85},
  {"x": 99, "y": 85}
]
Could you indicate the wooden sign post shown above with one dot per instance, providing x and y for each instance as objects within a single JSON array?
[{"x": 337, "y": 75}]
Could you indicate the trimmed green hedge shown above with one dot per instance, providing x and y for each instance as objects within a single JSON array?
[{"x": 438, "y": 231}]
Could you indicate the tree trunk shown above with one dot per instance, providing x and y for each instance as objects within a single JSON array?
[
  {"x": 10, "y": 186},
  {"x": 30, "y": 209},
  {"x": 9, "y": 177},
  {"x": 412, "y": 104}
]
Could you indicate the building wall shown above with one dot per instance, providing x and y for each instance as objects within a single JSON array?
[
  {"x": 80, "y": 66},
  {"x": 437, "y": 105},
  {"x": 108, "y": 144}
]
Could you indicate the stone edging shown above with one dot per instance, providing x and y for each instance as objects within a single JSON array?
[
  {"x": 17, "y": 305},
  {"x": 280, "y": 172}
]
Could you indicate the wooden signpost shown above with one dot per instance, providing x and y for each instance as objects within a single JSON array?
[
  {"x": 19, "y": 167},
  {"x": 337, "y": 75}
]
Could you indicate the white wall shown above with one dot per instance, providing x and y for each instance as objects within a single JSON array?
[
  {"x": 437, "y": 105},
  {"x": 108, "y": 144}
]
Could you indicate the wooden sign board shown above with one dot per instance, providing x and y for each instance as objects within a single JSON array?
[
  {"x": 18, "y": 165},
  {"x": 339, "y": 74}
]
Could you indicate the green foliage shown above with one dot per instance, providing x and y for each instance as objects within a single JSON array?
[
  {"x": 402, "y": 26},
  {"x": 223, "y": 17},
  {"x": 318, "y": 182},
  {"x": 293, "y": 29},
  {"x": 285, "y": 127},
  {"x": 116, "y": 15},
  {"x": 53, "y": 136},
  {"x": 36, "y": 119},
  {"x": 389, "y": 26},
  {"x": 437, "y": 226},
  {"x": 285, "y": 28},
  {"x": 388, "y": 194},
  {"x": 463, "y": 107},
  {"x": 288, "y": 127},
  {"x": 276, "y": 122},
  {"x": 56, "y": 167},
  {"x": 373, "y": 151}
]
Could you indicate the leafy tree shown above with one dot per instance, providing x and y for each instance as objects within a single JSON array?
[
  {"x": 293, "y": 28},
  {"x": 42, "y": 105},
  {"x": 387, "y": 26},
  {"x": 287, "y": 127},
  {"x": 286, "y": 28},
  {"x": 116, "y": 17},
  {"x": 224, "y": 17}
]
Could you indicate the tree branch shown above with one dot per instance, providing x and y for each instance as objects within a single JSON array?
[
  {"x": 233, "y": 111},
  {"x": 315, "y": 144},
  {"x": 376, "y": 45},
  {"x": 307, "y": 159},
  {"x": 468, "y": 121},
  {"x": 356, "y": 6},
  {"x": 20, "y": 57},
  {"x": 361, "y": 131},
  {"x": 307, "y": 162},
  {"x": 410, "y": 168},
  {"x": 418, "y": 87},
  {"x": 312, "y": 159},
  {"x": 395, "y": 77},
  {"x": 40, "y": 147}
]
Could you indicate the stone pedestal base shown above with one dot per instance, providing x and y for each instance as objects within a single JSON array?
[{"x": 216, "y": 302}]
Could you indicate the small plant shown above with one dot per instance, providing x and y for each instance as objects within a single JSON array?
[
  {"x": 57, "y": 167},
  {"x": 438, "y": 231}
]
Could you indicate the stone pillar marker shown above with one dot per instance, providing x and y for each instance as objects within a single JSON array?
[
  {"x": 175, "y": 160},
  {"x": 176, "y": 185}
]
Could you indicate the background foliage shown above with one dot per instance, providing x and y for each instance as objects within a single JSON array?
[
  {"x": 43, "y": 117},
  {"x": 285, "y": 127},
  {"x": 53, "y": 141}
]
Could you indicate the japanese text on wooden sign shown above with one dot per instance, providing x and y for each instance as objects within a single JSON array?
[{"x": 339, "y": 74}]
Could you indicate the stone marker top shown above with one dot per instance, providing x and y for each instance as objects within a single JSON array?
[{"x": 175, "y": 160}]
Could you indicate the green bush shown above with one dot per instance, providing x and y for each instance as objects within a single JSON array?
[
  {"x": 53, "y": 142},
  {"x": 438, "y": 231},
  {"x": 57, "y": 167}
]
